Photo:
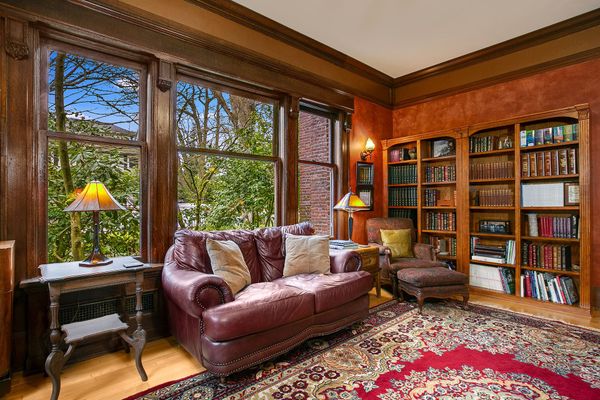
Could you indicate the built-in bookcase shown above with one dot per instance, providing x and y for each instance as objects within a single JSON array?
[{"x": 512, "y": 198}]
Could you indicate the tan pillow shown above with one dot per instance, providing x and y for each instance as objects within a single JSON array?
[
  {"x": 399, "y": 241},
  {"x": 306, "y": 255},
  {"x": 228, "y": 263}
]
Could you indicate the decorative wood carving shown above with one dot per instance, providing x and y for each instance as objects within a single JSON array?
[
  {"x": 165, "y": 75},
  {"x": 15, "y": 43},
  {"x": 163, "y": 84}
]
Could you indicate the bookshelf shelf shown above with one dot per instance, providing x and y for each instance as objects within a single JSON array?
[
  {"x": 553, "y": 271},
  {"x": 549, "y": 239},
  {"x": 407, "y": 207},
  {"x": 550, "y": 209},
  {"x": 435, "y": 159},
  {"x": 496, "y": 177},
  {"x": 439, "y": 232},
  {"x": 403, "y": 184},
  {"x": 572, "y": 143},
  {"x": 485, "y": 208},
  {"x": 551, "y": 177},
  {"x": 493, "y": 264},
  {"x": 492, "y": 153},
  {"x": 402, "y": 162},
  {"x": 493, "y": 235},
  {"x": 491, "y": 181},
  {"x": 438, "y": 183}
]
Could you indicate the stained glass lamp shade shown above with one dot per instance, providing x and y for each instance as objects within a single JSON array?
[{"x": 350, "y": 203}]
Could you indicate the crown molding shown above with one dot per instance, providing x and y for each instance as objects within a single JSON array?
[
  {"x": 258, "y": 22},
  {"x": 560, "y": 29}
]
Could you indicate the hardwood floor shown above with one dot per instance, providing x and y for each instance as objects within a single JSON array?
[{"x": 113, "y": 376}]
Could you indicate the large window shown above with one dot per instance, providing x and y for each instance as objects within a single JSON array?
[
  {"x": 316, "y": 171},
  {"x": 93, "y": 132},
  {"x": 226, "y": 162}
]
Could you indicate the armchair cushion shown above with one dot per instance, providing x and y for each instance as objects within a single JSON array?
[
  {"x": 398, "y": 241},
  {"x": 260, "y": 307},
  {"x": 228, "y": 263}
]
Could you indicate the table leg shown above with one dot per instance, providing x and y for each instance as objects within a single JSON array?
[
  {"x": 139, "y": 336},
  {"x": 378, "y": 283},
  {"x": 56, "y": 359}
]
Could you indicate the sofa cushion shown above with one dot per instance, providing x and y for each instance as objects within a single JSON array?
[
  {"x": 333, "y": 290},
  {"x": 306, "y": 255},
  {"x": 259, "y": 307},
  {"x": 270, "y": 247},
  {"x": 431, "y": 277},
  {"x": 190, "y": 250},
  {"x": 227, "y": 262}
]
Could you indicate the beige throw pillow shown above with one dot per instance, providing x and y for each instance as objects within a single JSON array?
[
  {"x": 228, "y": 263},
  {"x": 306, "y": 255}
]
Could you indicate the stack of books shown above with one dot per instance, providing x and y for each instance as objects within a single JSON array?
[
  {"x": 552, "y": 226},
  {"x": 494, "y": 198},
  {"x": 499, "y": 254},
  {"x": 544, "y": 286},
  {"x": 500, "y": 279},
  {"x": 342, "y": 244},
  {"x": 440, "y": 221}
]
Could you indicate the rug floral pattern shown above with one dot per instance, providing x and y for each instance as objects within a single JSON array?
[{"x": 446, "y": 353}]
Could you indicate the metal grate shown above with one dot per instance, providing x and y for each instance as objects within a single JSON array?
[{"x": 96, "y": 309}]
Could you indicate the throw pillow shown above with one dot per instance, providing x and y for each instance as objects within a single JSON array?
[
  {"x": 399, "y": 241},
  {"x": 228, "y": 263},
  {"x": 306, "y": 255}
]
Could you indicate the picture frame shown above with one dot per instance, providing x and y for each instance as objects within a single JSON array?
[
  {"x": 364, "y": 173},
  {"x": 443, "y": 148},
  {"x": 366, "y": 195},
  {"x": 571, "y": 194}
]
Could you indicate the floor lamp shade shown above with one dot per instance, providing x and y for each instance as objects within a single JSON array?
[
  {"x": 350, "y": 203},
  {"x": 95, "y": 198}
]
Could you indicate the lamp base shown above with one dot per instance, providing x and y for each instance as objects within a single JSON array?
[{"x": 95, "y": 259}]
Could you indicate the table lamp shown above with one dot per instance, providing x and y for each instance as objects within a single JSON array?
[
  {"x": 95, "y": 198},
  {"x": 350, "y": 203}
]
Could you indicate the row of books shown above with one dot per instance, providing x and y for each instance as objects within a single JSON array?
[
  {"x": 495, "y": 278},
  {"x": 495, "y": 170},
  {"x": 550, "y": 256},
  {"x": 552, "y": 226},
  {"x": 557, "y": 134},
  {"x": 443, "y": 173},
  {"x": 431, "y": 197},
  {"x": 398, "y": 154},
  {"x": 479, "y": 144},
  {"x": 548, "y": 287},
  {"x": 440, "y": 221},
  {"x": 403, "y": 196},
  {"x": 549, "y": 163},
  {"x": 402, "y": 174},
  {"x": 493, "y": 198},
  {"x": 403, "y": 213},
  {"x": 499, "y": 254},
  {"x": 446, "y": 246}
]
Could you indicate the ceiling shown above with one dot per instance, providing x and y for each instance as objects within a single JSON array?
[{"x": 398, "y": 37}]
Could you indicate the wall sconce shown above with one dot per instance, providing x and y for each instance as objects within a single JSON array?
[{"x": 369, "y": 147}]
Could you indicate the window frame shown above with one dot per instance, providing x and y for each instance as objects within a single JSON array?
[
  {"x": 325, "y": 112},
  {"x": 194, "y": 77},
  {"x": 45, "y": 135}
]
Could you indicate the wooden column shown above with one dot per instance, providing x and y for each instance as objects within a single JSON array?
[{"x": 7, "y": 285}]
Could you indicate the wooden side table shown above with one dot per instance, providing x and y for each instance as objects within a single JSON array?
[
  {"x": 70, "y": 277},
  {"x": 370, "y": 262}
]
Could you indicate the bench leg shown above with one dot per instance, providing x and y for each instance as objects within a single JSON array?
[
  {"x": 420, "y": 301},
  {"x": 465, "y": 300},
  {"x": 394, "y": 279}
]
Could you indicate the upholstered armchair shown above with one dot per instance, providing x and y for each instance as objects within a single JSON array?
[{"x": 424, "y": 254}]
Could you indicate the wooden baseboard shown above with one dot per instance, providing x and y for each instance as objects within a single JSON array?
[{"x": 5, "y": 382}]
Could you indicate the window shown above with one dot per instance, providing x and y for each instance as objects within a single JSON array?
[
  {"x": 93, "y": 132},
  {"x": 316, "y": 171},
  {"x": 226, "y": 163}
]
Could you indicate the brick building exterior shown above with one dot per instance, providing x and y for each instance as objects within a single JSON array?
[{"x": 315, "y": 181}]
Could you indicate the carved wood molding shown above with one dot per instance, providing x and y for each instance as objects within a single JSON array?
[
  {"x": 15, "y": 43},
  {"x": 166, "y": 75}
]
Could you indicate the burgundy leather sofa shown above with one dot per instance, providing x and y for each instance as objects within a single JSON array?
[{"x": 271, "y": 315}]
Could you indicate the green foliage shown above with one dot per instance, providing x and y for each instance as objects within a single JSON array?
[{"x": 119, "y": 171}]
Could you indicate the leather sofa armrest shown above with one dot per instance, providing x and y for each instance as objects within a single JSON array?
[
  {"x": 194, "y": 291},
  {"x": 345, "y": 261},
  {"x": 424, "y": 251},
  {"x": 383, "y": 250}
]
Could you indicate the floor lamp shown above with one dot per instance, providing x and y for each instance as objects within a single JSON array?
[{"x": 350, "y": 203}]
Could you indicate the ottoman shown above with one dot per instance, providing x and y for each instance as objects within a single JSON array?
[{"x": 438, "y": 282}]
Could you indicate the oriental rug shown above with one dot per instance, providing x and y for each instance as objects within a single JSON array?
[{"x": 395, "y": 353}]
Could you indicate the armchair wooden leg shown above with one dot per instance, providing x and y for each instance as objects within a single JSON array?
[
  {"x": 420, "y": 301},
  {"x": 394, "y": 280},
  {"x": 465, "y": 300}
]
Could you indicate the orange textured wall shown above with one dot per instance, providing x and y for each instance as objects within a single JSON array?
[
  {"x": 562, "y": 87},
  {"x": 374, "y": 121}
]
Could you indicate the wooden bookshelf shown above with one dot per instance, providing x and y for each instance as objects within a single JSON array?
[{"x": 469, "y": 214}]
